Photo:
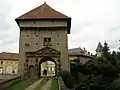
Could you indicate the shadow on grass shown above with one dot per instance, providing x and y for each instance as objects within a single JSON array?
[{"x": 54, "y": 84}]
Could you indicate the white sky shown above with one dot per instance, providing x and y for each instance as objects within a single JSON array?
[{"x": 93, "y": 21}]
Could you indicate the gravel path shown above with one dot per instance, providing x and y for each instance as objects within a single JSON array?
[
  {"x": 32, "y": 87},
  {"x": 47, "y": 85}
]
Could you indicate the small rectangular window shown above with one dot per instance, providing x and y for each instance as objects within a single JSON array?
[
  {"x": 45, "y": 39},
  {"x": 1, "y": 62},
  {"x": 36, "y": 35},
  {"x": 49, "y": 39},
  {"x": 27, "y": 45}
]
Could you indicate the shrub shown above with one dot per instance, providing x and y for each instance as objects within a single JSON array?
[
  {"x": 116, "y": 84},
  {"x": 97, "y": 87},
  {"x": 81, "y": 77}
]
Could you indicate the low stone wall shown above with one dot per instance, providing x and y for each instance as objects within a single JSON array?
[
  {"x": 7, "y": 76},
  {"x": 4, "y": 84},
  {"x": 61, "y": 84}
]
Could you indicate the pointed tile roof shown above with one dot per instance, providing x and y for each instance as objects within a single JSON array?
[
  {"x": 45, "y": 12},
  {"x": 99, "y": 47},
  {"x": 41, "y": 12}
]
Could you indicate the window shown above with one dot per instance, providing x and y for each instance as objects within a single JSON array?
[
  {"x": 27, "y": 45},
  {"x": 1, "y": 62},
  {"x": 57, "y": 35},
  {"x": 36, "y": 43},
  {"x": 57, "y": 43},
  {"x": 27, "y": 35},
  {"x": 47, "y": 41},
  {"x": 36, "y": 35}
]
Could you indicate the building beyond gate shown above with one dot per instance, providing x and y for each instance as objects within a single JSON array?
[{"x": 43, "y": 37}]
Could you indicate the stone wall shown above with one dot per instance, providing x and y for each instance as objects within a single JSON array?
[
  {"x": 62, "y": 85},
  {"x": 4, "y": 84},
  {"x": 7, "y": 76}
]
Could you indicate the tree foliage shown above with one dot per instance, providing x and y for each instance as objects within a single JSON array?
[
  {"x": 97, "y": 74},
  {"x": 106, "y": 51}
]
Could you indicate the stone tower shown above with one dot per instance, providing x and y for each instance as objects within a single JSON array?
[
  {"x": 99, "y": 50},
  {"x": 43, "y": 37}
]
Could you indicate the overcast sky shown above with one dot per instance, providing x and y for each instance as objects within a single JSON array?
[{"x": 93, "y": 21}]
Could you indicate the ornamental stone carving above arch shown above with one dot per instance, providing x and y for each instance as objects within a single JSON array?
[{"x": 46, "y": 51}]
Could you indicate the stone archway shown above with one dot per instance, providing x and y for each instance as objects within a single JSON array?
[
  {"x": 47, "y": 61},
  {"x": 40, "y": 56}
]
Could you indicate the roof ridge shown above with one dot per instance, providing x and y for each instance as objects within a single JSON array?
[
  {"x": 40, "y": 10},
  {"x": 9, "y": 53}
]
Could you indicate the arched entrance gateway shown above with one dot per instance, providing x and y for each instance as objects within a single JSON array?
[
  {"x": 47, "y": 67},
  {"x": 45, "y": 63}
]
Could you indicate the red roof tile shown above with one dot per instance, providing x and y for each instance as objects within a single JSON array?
[
  {"x": 9, "y": 56},
  {"x": 43, "y": 11}
]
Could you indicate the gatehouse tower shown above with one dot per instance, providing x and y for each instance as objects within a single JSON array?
[{"x": 43, "y": 39}]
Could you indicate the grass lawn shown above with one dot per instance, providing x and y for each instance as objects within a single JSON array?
[
  {"x": 21, "y": 85},
  {"x": 54, "y": 84},
  {"x": 41, "y": 84}
]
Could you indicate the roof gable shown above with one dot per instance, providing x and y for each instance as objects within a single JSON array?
[
  {"x": 41, "y": 12},
  {"x": 45, "y": 12},
  {"x": 99, "y": 47}
]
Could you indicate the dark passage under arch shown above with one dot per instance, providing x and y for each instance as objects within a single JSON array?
[{"x": 49, "y": 65}]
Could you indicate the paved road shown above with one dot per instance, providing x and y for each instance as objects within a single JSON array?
[
  {"x": 34, "y": 85},
  {"x": 47, "y": 85}
]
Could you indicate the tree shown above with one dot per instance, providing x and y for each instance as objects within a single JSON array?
[
  {"x": 98, "y": 73},
  {"x": 113, "y": 58},
  {"x": 106, "y": 51}
]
